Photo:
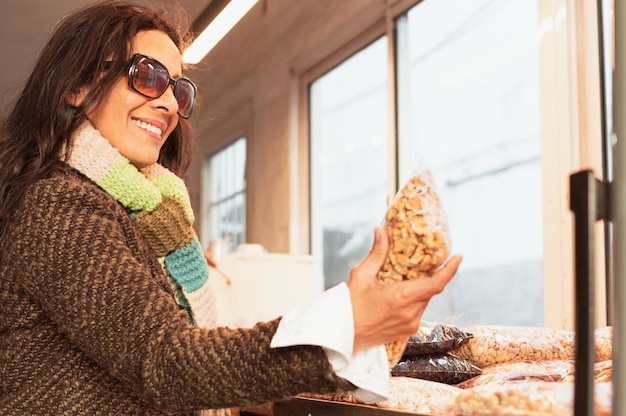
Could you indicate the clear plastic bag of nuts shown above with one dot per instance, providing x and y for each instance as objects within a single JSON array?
[
  {"x": 524, "y": 399},
  {"x": 419, "y": 241},
  {"x": 522, "y": 372},
  {"x": 493, "y": 344}
]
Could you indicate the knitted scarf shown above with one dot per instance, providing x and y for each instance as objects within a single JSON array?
[{"x": 159, "y": 205}]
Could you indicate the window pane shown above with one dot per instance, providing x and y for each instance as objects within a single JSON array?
[
  {"x": 225, "y": 199},
  {"x": 469, "y": 111},
  {"x": 607, "y": 37},
  {"x": 349, "y": 125}
]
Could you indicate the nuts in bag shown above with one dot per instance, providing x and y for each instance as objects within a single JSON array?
[
  {"x": 500, "y": 344},
  {"x": 405, "y": 394},
  {"x": 417, "y": 396},
  {"x": 437, "y": 339},
  {"x": 418, "y": 239},
  {"x": 442, "y": 368},
  {"x": 524, "y": 399},
  {"x": 522, "y": 372},
  {"x": 602, "y": 372},
  {"x": 604, "y": 343}
]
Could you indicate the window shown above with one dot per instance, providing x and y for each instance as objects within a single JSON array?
[
  {"x": 469, "y": 110},
  {"x": 608, "y": 139},
  {"x": 225, "y": 196},
  {"x": 349, "y": 138}
]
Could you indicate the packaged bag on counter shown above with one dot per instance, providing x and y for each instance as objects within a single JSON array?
[
  {"x": 405, "y": 394},
  {"x": 417, "y": 396},
  {"x": 604, "y": 343},
  {"x": 435, "y": 339},
  {"x": 418, "y": 239},
  {"x": 522, "y": 371},
  {"x": 442, "y": 368},
  {"x": 602, "y": 372},
  {"x": 524, "y": 399},
  {"x": 500, "y": 344}
]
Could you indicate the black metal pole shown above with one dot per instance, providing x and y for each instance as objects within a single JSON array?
[{"x": 585, "y": 194}]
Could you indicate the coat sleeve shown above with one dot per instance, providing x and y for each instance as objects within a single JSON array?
[{"x": 95, "y": 278}]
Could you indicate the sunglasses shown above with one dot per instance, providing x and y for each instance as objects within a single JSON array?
[{"x": 150, "y": 78}]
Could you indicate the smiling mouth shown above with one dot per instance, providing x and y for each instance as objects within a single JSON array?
[{"x": 148, "y": 127}]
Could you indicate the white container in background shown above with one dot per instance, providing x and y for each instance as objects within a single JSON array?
[{"x": 262, "y": 285}]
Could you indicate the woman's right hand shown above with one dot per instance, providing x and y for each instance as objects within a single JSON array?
[{"x": 385, "y": 312}]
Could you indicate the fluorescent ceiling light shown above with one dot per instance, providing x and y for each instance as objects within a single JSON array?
[{"x": 217, "y": 29}]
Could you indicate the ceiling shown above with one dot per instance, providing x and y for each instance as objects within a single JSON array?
[{"x": 24, "y": 27}]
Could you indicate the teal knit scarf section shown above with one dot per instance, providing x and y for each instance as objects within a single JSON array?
[{"x": 158, "y": 202}]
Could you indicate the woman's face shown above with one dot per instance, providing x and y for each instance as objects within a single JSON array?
[{"x": 135, "y": 125}]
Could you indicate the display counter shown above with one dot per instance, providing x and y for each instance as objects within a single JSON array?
[
  {"x": 301, "y": 406},
  {"x": 521, "y": 370}
]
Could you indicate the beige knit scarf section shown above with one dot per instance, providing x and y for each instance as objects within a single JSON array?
[{"x": 95, "y": 157}]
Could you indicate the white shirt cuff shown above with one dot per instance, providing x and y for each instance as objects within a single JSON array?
[{"x": 328, "y": 322}]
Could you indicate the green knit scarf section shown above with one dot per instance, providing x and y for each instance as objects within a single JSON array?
[{"x": 158, "y": 203}]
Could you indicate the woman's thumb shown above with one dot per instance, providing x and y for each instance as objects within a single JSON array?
[{"x": 376, "y": 257}]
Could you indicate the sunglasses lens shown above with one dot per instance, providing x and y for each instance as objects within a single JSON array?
[
  {"x": 151, "y": 78},
  {"x": 185, "y": 93}
]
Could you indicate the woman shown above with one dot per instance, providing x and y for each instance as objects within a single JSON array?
[{"x": 103, "y": 296}]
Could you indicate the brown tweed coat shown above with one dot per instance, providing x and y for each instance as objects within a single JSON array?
[{"x": 88, "y": 325}]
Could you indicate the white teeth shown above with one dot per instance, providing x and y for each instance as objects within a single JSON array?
[{"x": 149, "y": 127}]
